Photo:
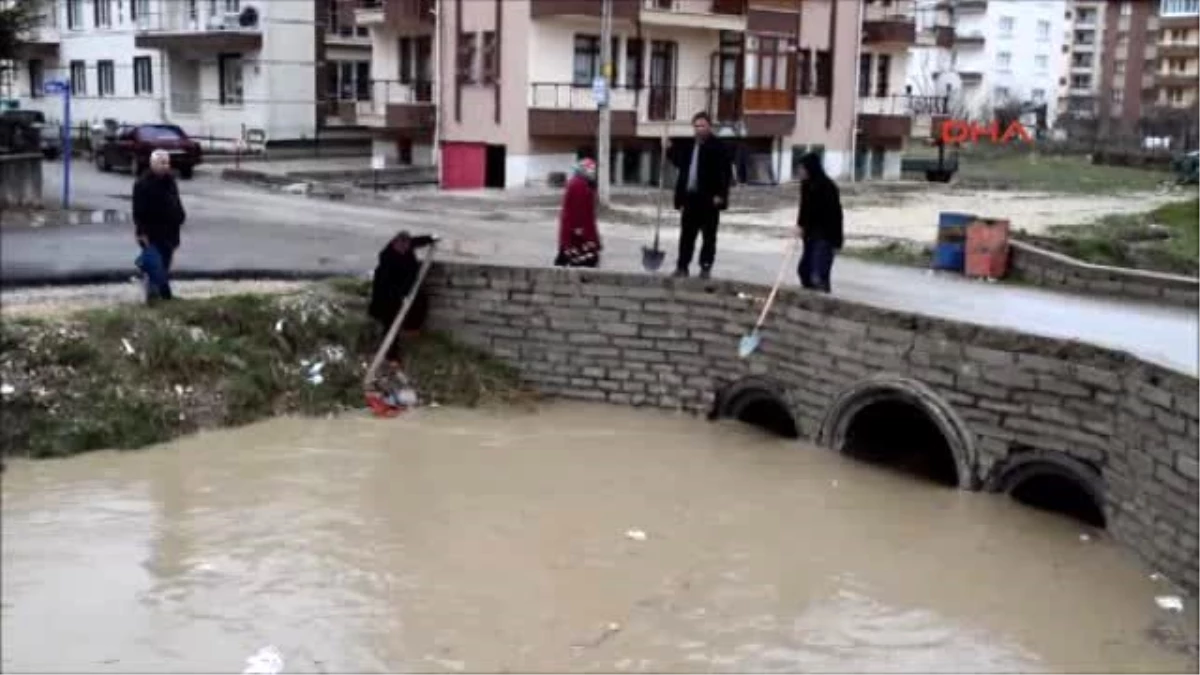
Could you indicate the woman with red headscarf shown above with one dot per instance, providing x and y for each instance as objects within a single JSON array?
[{"x": 578, "y": 237}]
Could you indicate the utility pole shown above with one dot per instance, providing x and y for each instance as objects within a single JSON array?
[{"x": 603, "y": 91}]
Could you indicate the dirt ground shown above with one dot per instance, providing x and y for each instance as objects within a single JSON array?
[
  {"x": 875, "y": 212},
  {"x": 50, "y": 302}
]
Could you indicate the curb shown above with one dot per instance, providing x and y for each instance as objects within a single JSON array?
[{"x": 113, "y": 276}]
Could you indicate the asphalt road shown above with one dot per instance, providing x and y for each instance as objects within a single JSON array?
[{"x": 233, "y": 226}]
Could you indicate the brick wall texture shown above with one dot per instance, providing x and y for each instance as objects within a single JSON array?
[
  {"x": 1046, "y": 268},
  {"x": 653, "y": 341}
]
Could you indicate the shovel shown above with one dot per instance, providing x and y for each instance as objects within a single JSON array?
[
  {"x": 750, "y": 342},
  {"x": 652, "y": 258},
  {"x": 389, "y": 403}
]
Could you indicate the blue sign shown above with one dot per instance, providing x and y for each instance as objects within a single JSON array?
[
  {"x": 600, "y": 91},
  {"x": 52, "y": 87}
]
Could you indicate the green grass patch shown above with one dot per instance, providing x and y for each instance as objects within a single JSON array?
[
  {"x": 1163, "y": 240},
  {"x": 133, "y": 376},
  {"x": 1023, "y": 170}
]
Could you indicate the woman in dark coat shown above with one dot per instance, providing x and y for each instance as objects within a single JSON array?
[
  {"x": 820, "y": 223},
  {"x": 578, "y": 236},
  {"x": 394, "y": 278}
]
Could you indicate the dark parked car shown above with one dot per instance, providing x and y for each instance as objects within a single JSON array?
[
  {"x": 49, "y": 138},
  {"x": 129, "y": 147}
]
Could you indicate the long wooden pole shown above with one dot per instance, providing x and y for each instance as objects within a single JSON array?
[{"x": 369, "y": 377}]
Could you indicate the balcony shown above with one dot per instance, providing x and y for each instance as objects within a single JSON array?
[
  {"x": 890, "y": 118},
  {"x": 970, "y": 78},
  {"x": 398, "y": 15},
  {"x": 944, "y": 37},
  {"x": 970, "y": 39},
  {"x": 182, "y": 31},
  {"x": 568, "y": 110},
  {"x": 1176, "y": 78},
  {"x": 627, "y": 10},
  {"x": 1179, "y": 49},
  {"x": 395, "y": 105},
  {"x": 892, "y": 25},
  {"x": 970, "y": 6},
  {"x": 705, "y": 14}
]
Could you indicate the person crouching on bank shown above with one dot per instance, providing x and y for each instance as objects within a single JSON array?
[{"x": 394, "y": 278}]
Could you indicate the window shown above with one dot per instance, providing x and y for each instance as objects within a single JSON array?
[
  {"x": 824, "y": 72},
  {"x": 1038, "y": 95},
  {"x": 102, "y": 13},
  {"x": 883, "y": 67},
  {"x": 106, "y": 78},
  {"x": 1126, "y": 8},
  {"x": 1041, "y": 61},
  {"x": 1119, "y": 67},
  {"x": 1178, "y": 7},
  {"x": 1004, "y": 60},
  {"x": 1001, "y": 93},
  {"x": 633, "y": 63},
  {"x": 407, "y": 62},
  {"x": 804, "y": 72},
  {"x": 772, "y": 72},
  {"x": 1006, "y": 26},
  {"x": 78, "y": 78},
  {"x": 139, "y": 10},
  {"x": 587, "y": 60},
  {"x": 1118, "y": 96},
  {"x": 143, "y": 76},
  {"x": 37, "y": 78},
  {"x": 466, "y": 58},
  {"x": 229, "y": 76},
  {"x": 75, "y": 14},
  {"x": 362, "y": 80},
  {"x": 864, "y": 75},
  {"x": 1043, "y": 30},
  {"x": 490, "y": 58}
]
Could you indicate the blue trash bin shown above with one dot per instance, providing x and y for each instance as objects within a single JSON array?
[{"x": 950, "y": 253}]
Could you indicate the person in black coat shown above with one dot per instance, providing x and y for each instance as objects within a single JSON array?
[
  {"x": 158, "y": 213},
  {"x": 701, "y": 193},
  {"x": 820, "y": 223},
  {"x": 394, "y": 277}
]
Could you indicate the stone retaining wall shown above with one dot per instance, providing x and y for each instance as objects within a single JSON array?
[
  {"x": 20, "y": 181},
  {"x": 1001, "y": 398},
  {"x": 1047, "y": 268}
]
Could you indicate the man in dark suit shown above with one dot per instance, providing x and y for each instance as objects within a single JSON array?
[{"x": 701, "y": 193}]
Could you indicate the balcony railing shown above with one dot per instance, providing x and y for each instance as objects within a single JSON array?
[
  {"x": 904, "y": 105},
  {"x": 697, "y": 7},
  {"x": 384, "y": 93},
  {"x": 652, "y": 103},
  {"x": 181, "y": 21},
  {"x": 896, "y": 10}
]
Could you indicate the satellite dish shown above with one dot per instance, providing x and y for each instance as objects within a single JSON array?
[{"x": 248, "y": 18}]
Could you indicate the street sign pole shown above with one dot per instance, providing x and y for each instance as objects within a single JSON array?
[
  {"x": 66, "y": 194},
  {"x": 63, "y": 88},
  {"x": 604, "y": 130}
]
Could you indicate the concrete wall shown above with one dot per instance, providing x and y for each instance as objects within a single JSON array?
[
  {"x": 20, "y": 180},
  {"x": 1047, "y": 268},
  {"x": 1001, "y": 398}
]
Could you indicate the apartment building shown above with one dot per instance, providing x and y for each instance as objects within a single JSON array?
[
  {"x": 1003, "y": 52},
  {"x": 504, "y": 89},
  {"x": 1129, "y": 64},
  {"x": 217, "y": 68}
]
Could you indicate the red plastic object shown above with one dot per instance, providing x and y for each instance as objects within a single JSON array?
[
  {"x": 987, "y": 248},
  {"x": 380, "y": 407}
]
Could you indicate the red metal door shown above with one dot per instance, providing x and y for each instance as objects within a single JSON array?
[{"x": 463, "y": 166}]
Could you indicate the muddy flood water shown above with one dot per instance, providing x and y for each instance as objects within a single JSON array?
[{"x": 581, "y": 537}]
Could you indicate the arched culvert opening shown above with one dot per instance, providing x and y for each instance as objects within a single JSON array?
[
  {"x": 757, "y": 402},
  {"x": 901, "y": 424},
  {"x": 1055, "y": 483}
]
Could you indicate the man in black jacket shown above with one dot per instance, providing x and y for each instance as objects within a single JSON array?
[
  {"x": 701, "y": 193},
  {"x": 394, "y": 278},
  {"x": 820, "y": 224},
  {"x": 158, "y": 213}
]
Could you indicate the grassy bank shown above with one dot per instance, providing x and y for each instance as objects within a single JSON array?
[
  {"x": 1163, "y": 240},
  {"x": 906, "y": 253},
  {"x": 131, "y": 376},
  {"x": 1018, "y": 170}
]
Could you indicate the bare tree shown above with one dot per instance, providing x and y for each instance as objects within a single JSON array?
[{"x": 17, "y": 18}]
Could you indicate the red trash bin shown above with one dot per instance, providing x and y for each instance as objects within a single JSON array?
[{"x": 987, "y": 248}]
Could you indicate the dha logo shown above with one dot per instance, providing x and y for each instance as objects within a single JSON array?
[{"x": 961, "y": 131}]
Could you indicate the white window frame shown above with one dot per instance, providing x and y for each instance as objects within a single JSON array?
[
  {"x": 78, "y": 77},
  {"x": 1007, "y": 25},
  {"x": 143, "y": 76},
  {"x": 106, "y": 78}
]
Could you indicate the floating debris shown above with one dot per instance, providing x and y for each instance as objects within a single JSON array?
[
  {"x": 128, "y": 346},
  {"x": 279, "y": 326},
  {"x": 7, "y": 389},
  {"x": 1171, "y": 603},
  {"x": 636, "y": 535},
  {"x": 267, "y": 661},
  {"x": 1155, "y": 576},
  {"x": 1084, "y": 537},
  {"x": 179, "y": 390},
  {"x": 197, "y": 334}
]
